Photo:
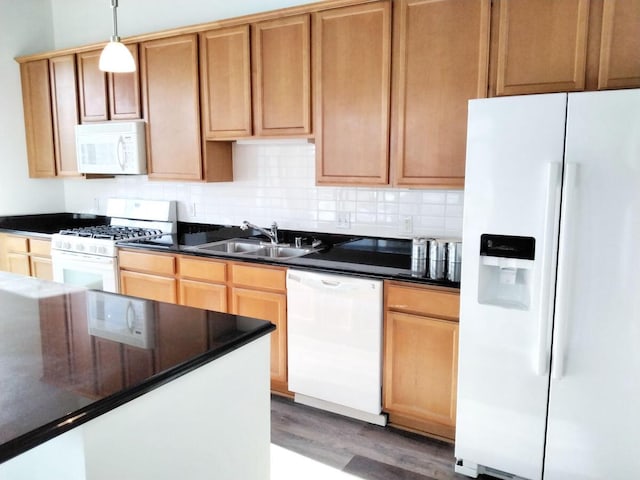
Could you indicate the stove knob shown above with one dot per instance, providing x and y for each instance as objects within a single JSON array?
[
  {"x": 92, "y": 248},
  {"x": 80, "y": 247},
  {"x": 102, "y": 250},
  {"x": 66, "y": 245}
]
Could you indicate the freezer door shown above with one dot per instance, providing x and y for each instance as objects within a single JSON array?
[
  {"x": 594, "y": 408},
  {"x": 515, "y": 152}
]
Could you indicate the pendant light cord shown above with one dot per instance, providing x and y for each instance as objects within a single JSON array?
[{"x": 114, "y": 9}]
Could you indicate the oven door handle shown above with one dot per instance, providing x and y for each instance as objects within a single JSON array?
[{"x": 81, "y": 257}]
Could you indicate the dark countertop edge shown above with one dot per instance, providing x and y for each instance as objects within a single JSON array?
[{"x": 36, "y": 437}]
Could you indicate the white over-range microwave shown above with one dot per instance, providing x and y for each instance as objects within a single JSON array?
[{"x": 113, "y": 148}]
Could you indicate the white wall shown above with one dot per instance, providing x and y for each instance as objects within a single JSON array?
[{"x": 25, "y": 27}]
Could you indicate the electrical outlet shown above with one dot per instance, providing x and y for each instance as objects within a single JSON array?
[
  {"x": 192, "y": 209},
  {"x": 344, "y": 219},
  {"x": 407, "y": 224},
  {"x": 96, "y": 204}
]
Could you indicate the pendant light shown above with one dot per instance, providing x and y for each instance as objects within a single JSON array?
[{"x": 116, "y": 57}]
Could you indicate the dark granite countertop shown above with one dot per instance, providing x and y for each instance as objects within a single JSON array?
[
  {"x": 343, "y": 254},
  {"x": 60, "y": 368}
]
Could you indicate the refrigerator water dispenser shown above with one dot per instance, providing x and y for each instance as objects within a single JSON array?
[{"x": 506, "y": 265}]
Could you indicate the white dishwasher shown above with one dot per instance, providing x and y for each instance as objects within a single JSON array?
[{"x": 334, "y": 332}]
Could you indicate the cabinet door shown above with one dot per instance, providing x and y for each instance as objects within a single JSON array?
[
  {"x": 351, "y": 65},
  {"x": 152, "y": 287},
  {"x": 65, "y": 113},
  {"x": 420, "y": 371},
  {"x": 272, "y": 307},
  {"x": 209, "y": 296},
  {"x": 138, "y": 364},
  {"x": 54, "y": 334},
  {"x": 92, "y": 88},
  {"x": 620, "y": 45},
  {"x": 36, "y": 99},
  {"x": 226, "y": 82},
  {"x": 41, "y": 267},
  {"x": 540, "y": 46},
  {"x": 282, "y": 76},
  {"x": 170, "y": 98},
  {"x": 440, "y": 61},
  {"x": 124, "y": 91},
  {"x": 18, "y": 263}
]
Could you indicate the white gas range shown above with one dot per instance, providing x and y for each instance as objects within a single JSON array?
[{"x": 88, "y": 256}]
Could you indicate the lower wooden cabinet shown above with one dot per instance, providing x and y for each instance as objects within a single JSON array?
[
  {"x": 148, "y": 275},
  {"x": 26, "y": 256},
  {"x": 260, "y": 292},
  {"x": 421, "y": 358},
  {"x": 202, "y": 283}
]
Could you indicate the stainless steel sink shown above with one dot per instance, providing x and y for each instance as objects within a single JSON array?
[{"x": 251, "y": 248}]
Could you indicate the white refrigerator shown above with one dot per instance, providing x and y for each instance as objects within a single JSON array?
[{"x": 549, "y": 359}]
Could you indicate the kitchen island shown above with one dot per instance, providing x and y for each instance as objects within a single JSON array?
[{"x": 179, "y": 392}]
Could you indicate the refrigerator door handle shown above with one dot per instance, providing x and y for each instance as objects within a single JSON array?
[
  {"x": 564, "y": 273},
  {"x": 541, "y": 357}
]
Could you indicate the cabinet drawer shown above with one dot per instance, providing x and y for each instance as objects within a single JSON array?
[
  {"x": 198, "y": 269},
  {"x": 40, "y": 247},
  {"x": 146, "y": 262},
  {"x": 422, "y": 301},
  {"x": 16, "y": 244},
  {"x": 264, "y": 278}
]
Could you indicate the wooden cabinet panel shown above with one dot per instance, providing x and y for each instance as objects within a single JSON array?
[
  {"x": 420, "y": 370},
  {"x": 202, "y": 269},
  {"x": 209, "y": 296},
  {"x": 36, "y": 98},
  {"x": 539, "y": 46},
  {"x": 65, "y": 113},
  {"x": 226, "y": 82},
  {"x": 351, "y": 73},
  {"x": 422, "y": 301},
  {"x": 92, "y": 88},
  {"x": 18, "y": 263},
  {"x": 16, "y": 244},
  {"x": 170, "y": 98},
  {"x": 40, "y": 247},
  {"x": 107, "y": 96},
  {"x": 147, "y": 262},
  {"x": 620, "y": 45},
  {"x": 153, "y": 287},
  {"x": 54, "y": 334},
  {"x": 124, "y": 91},
  {"x": 440, "y": 61},
  {"x": 41, "y": 267},
  {"x": 281, "y": 65},
  {"x": 272, "y": 307},
  {"x": 263, "y": 278}
]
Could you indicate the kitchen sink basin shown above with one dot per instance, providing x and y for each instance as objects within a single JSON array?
[{"x": 251, "y": 248}]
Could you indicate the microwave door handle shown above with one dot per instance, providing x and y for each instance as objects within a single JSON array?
[
  {"x": 120, "y": 152},
  {"x": 130, "y": 316}
]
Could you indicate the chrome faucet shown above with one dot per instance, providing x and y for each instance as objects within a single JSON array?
[{"x": 272, "y": 233}]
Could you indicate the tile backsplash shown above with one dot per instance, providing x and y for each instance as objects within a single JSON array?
[{"x": 275, "y": 180}]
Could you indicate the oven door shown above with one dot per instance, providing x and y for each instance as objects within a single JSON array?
[{"x": 90, "y": 271}]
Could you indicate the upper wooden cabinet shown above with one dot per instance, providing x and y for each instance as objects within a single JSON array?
[
  {"x": 619, "y": 46},
  {"x": 226, "y": 82},
  {"x": 36, "y": 99},
  {"x": 65, "y": 112},
  {"x": 282, "y": 76},
  {"x": 170, "y": 98},
  {"x": 440, "y": 61},
  {"x": 351, "y": 74},
  {"x": 540, "y": 47},
  {"x": 102, "y": 96}
]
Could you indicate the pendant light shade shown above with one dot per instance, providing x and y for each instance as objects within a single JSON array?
[{"x": 116, "y": 57}]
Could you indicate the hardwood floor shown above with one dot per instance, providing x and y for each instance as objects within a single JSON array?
[{"x": 363, "y": 450}]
